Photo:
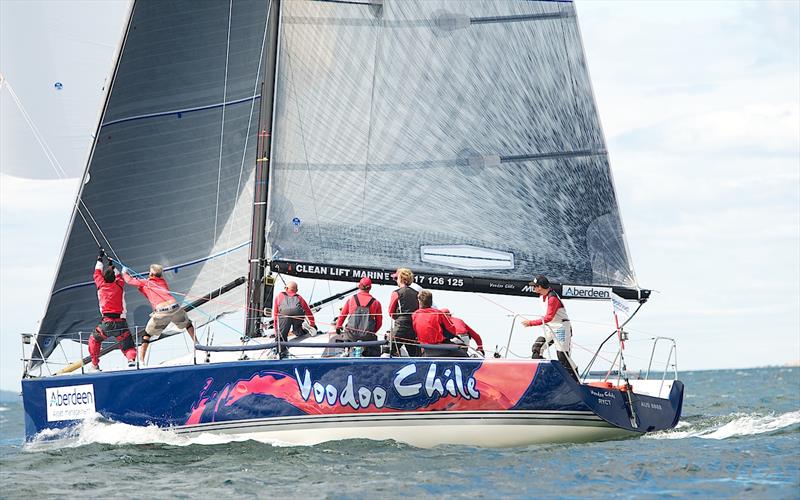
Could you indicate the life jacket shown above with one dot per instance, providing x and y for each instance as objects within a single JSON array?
[
  {"x": 559, "y": 327},
  {"x": 290, "y": 306},
  {"x": 111, "y": 298},
  {"x": 361, "y": 321},
  {"x": 428, "y": 326},
  {"x": 407, "y": 303}
]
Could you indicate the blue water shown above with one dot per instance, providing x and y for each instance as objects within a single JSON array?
[{"x": 740, "y": 435}]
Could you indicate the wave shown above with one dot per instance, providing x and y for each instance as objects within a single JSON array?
[
  {"x": 733, "y": 425},
  {"x": 98, "y": 430}
]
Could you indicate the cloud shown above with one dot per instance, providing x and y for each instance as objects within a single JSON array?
[
  {"x": 751, "y": 130},
  {"x": 33, "y": 221}
]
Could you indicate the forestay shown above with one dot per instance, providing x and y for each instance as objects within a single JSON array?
[
  {"x": 460, "y": 139},
  {"x": 170, "y": 175}
]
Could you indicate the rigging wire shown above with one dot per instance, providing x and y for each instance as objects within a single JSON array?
[
  {"x": 244, "y": 148},
  {"x": 57, "y": 167},
  {"x": 222, "y": 124},
  {"x": 209, "y": 334},
  {"x": 290, "y": 78},
  {"x": 609, "y": 337}
]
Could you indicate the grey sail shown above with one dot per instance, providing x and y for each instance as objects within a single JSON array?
[
  {"x": 169, "y": 180},
  {"x": 455, "y": 138}
]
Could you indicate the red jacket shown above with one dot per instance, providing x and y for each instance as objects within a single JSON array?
[
  {"x": 303, "y": 304},
  {"x": 430, "y": 325},
  {"x": 464, "y": 329},
  {"x": 553, "y": 305},
  {"x": 393, "y": 299},
  {"x": 154, "y": 289},
  {"x": 109, "y": 295},
  {"x": 350, "y": 307}
]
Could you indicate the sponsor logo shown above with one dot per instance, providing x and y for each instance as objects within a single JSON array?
[
  {"x": 585, "y": 292},
  {"x": 348, "y": 273},
  {"x": 72, "y": 402},
  {"x": 619, "y": 305}
]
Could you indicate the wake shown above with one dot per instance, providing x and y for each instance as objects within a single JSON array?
[
  {"x": 733, "y": 425},
  {"x": 101, "y": 431}
]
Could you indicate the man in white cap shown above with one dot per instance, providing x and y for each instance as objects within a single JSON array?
[{"x": 366, "y": 317}]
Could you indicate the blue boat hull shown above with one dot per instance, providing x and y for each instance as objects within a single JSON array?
[{"x": 420, "y": 401}]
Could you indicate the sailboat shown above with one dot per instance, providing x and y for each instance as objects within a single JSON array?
[{"x": 334, "y": 140}]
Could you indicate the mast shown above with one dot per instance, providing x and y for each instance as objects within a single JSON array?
[{"x": 259, "y": 292}]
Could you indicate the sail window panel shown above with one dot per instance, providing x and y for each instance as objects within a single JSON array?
[
  {"x": 480, "y": 134},
  {"x": 159, "y": 181},
  {"x": 175, "y": 56}
]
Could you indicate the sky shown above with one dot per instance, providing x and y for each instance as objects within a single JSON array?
[{"x": 700, "y": 106}]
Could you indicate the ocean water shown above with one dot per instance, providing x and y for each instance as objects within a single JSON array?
[{"x": 739, "y": 436}]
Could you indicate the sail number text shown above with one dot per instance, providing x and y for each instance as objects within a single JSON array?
[{"x": 423, "y": 280}]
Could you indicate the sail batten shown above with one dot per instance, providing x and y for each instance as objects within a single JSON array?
[{"x": 158, "y": 114}]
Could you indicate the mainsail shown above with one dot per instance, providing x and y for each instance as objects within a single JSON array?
[
  {"x": 460, "y": 139},
  {"x": 171, "y": 171}
]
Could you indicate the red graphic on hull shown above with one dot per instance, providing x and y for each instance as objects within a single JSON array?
[{"x": 495, "y": 385}]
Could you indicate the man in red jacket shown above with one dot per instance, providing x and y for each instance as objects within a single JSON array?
[
  {"x": 463, "y": 331},
  {"x": 166, "y": 309},
  {"x": 112, "y": 307},
  {"x": 432, "y": 326},
  {"x": 366, "y": 317},
  {"x": 288, "y": 312}
]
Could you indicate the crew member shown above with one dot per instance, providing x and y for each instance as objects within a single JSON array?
[
  {"x": 288, "y": 312},
  {"x": 402, "y": 303},
  {"x": 366, "y": 317},
  {"x": 166, "y": 309},
  {"x": 556, "y": 325},
  {"x": 432, "y": 326},
  {"x": 463, "y": 331},
  {"x": 112, "y": 308}
]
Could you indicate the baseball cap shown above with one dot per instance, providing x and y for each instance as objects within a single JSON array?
[
  {"x": 365, "y": 283},
  {"x": 541, "y": 281}
]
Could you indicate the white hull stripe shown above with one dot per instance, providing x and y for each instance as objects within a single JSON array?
[{"x": 515, "y": 418}]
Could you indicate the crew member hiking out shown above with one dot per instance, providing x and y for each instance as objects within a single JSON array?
[
  {"x": 463, "y": 331},
  {"x": 402, "y": 303},
  {"x": 166, "y": 309},
  {"x": 110, "y": 296},
  {"x": 288, "y": 313},
  {"x": 556, "y": 325},
  {"x": 365, "y": 317}
]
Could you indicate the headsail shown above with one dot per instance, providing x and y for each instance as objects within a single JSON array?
[
  {"x": 170, "y": 175},
  {"x": 460, "y": 139}
]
